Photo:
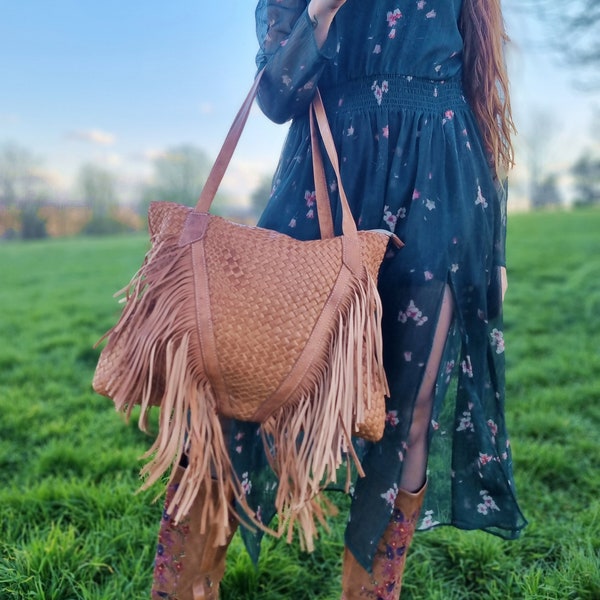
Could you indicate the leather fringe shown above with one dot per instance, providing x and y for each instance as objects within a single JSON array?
[{"x": 311, "y": 435}]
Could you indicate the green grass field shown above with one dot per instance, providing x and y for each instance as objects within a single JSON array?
[{"x": 72, "y": 528}]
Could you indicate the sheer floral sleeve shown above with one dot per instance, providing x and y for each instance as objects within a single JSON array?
[{"x": 293, "y": 62}]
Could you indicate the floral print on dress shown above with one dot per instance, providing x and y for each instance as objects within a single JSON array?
[
  {"x": 465, "y": 423},
  {"x": 392, "y": 418},
  {"x": 428, "y": 520},
  {"x": 487, "y": 505},
  {"x": 412, "y": 160},
  {"x": 497, "y": 338},
  {"x": 481, "y": 201},
  {"x": 246, "y": 484},
  {"x": 390, "y": 495},
  {"x": 467, "y": 367},
  {"x": 392, "y": 19},
  {"x": 311, "y": 201},
  {"x": 391, "y": 219},
  {"x": 380, "y": 90},
  {"x": 412, "y": 313}
]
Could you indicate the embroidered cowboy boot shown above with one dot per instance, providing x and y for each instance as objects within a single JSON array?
[
  {"x": 385, "y": 582},
  {"x": 188, "y": 564}
]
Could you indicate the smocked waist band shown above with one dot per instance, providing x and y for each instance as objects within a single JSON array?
[{"x": 394, "y": 92}]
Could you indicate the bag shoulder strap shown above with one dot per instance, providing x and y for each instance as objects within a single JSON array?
[
  {"x": 213, "y": 181},
  {"x": 317, "y": 111}
]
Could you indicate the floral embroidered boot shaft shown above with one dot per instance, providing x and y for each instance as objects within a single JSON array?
[
  {"x": 385, "y": 582},
  {"x": 188, "y": 565}
]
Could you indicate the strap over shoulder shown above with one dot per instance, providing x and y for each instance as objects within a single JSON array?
[{"x": 317, "y": 113}]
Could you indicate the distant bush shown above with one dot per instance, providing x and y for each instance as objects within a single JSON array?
[
  {"x": 104, "y": 225},
  {"x": 33, "y": 227},
  {"x": 10, "y": 234}
]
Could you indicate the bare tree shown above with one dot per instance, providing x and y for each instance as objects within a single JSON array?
[
  {"x": 20, "y": 179},
  {"x": 572, "y": 29},
  {"x": 537, "y": 134},
  {"x": 179, "y": 174},
  {"x": 587, "y": 179},
  {"x": 97, "y": 187}
]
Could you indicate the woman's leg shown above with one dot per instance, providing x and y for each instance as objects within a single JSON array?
[
  {"x": 415, "y": 459},
  {"x": 385, "y": 582}
]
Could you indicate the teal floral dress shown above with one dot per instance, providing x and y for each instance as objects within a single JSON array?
[{"x": 412, "y": 161}]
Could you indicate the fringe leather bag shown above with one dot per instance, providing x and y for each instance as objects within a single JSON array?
[{"x": 230, "y": 321}]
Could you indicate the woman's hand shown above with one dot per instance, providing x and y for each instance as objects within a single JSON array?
[{"x": 321, "y": 13}]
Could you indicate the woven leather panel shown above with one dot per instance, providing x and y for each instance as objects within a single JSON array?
[
  {"x": 166, "y": 218},
  {"x": 261, "y": 323}
]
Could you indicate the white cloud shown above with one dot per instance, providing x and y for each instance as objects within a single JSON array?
[
  {"x": 94, "y": 136},
  {"x": 206, "y": 108}
]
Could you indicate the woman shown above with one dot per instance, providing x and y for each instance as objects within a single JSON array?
[{"x": 417, "y": 97}]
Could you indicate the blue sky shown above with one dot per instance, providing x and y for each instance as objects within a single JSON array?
[{"x": 117, "y": 81}]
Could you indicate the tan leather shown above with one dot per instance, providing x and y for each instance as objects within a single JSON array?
[
  {"x": 190, "y": 563},
  {"x": 385, "y": 581},
  {"x": 225, "y": 320}
]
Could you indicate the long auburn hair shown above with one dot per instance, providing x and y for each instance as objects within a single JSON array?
[{"x": 485, "y": 79}]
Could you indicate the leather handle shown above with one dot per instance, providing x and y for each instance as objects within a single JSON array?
[
  {"x": 218, "y": 169},
  {"x": 317, "y": 112},
  {"x": 321, "y": 192}
]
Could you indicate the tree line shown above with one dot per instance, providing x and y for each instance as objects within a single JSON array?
[
  {"x": 29, "y": 203},
  {"x": 29, "y": 207},
  {"x": 569, "y": 31}
]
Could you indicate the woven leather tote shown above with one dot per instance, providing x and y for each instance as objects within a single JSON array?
[{"x": 231, "y": 321}]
